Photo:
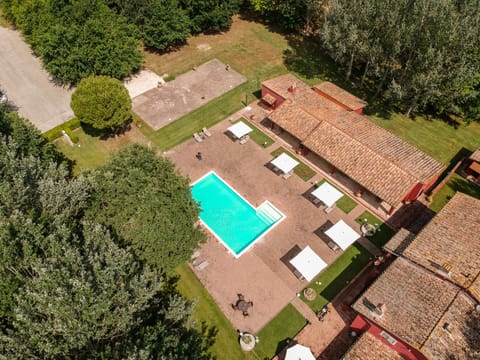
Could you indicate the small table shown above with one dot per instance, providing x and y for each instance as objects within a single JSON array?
[
  {"x": 368, "y": 230},
  {"x": 243, "y": 305}
]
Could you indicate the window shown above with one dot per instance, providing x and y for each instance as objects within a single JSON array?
[{"x": 388, "y": 337}]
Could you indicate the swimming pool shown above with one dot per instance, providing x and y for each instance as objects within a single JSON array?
[{"x": 231, "y": 218}]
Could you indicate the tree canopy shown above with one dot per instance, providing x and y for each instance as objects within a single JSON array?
[
  {"x": 77, "y": 39},
  {"x": 420, "y": 54},
  {"x": 102, "y": 102},
  {"x": 69, "y": 287},
  {"x": 149, "y": 204}
]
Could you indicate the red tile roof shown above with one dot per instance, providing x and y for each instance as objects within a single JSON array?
[
  {"x": 451, "y": 240},
  {"x": 415, "y": 301},
  {"x": 369, "y": 347},
  {"x": 457, "y": 334},
  {"x": 341, "y": 95},
  {"x": 365, "y": 166},
  {"x": 376, "y": 159}
]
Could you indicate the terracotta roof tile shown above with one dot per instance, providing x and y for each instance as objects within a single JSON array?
[
  {"x": 391, "y": 147},
  {"x": 415, "y": 301},
  {"x": 365, "y": 166},
  {"x": 370, "y": 155},
  {"x": 294, "y": 120},
  {"x": 369, "y": 347},
  {"x": 474, "y": 289},
  {"x": 451, "y": 240},
  {"x": 398, "y": 243},
  {"x": 476, "y": 155},
  {"x": 341, "y": 95},
  {"x": 280, "y": 85},
  {"x": 457, "y": 334}
]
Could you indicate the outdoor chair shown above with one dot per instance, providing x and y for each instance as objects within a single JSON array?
[
  {"x": 197, "y": 137},
  {"x": 332, "y": 245},
  {"x": 287, "y": 175},
  {"x": 245, "y": 313},
  {"x": 206, "y": 132},
  {"x": 201, "y": 266},
  {"x": 329, "y": 209},
  {"x": 244, "y": 140}
]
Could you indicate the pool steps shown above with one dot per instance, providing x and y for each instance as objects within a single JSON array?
[{"x": 268, "y": 213}]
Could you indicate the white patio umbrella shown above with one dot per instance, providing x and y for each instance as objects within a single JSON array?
[
  {"x": 342, "y": 234},
  {"x": 284, "y": 162},
  {"x": 240, "y": 129},
  {"x": 327, "y": 194},
  {"x": 299, "y": 352},
  {"x": 308, "y": 263}
]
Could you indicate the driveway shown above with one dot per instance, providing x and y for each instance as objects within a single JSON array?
[{"x": 28, "y": 85}]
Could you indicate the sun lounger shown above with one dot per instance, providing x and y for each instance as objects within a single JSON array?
[
  {"x": 287, "y": 175},
  {"x": 332, "y": 245},
  {"x": 201, "y": 266},
  {"x": 244, "y": 140},
  {"x": 197, "y": 137},
  {"x": 196, "y": 254},
  {"x": 329, "y": 209},
  {"x": 206, "y": 132}
]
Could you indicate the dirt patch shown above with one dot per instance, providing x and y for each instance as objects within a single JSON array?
[{"x": 203, "y": 47}]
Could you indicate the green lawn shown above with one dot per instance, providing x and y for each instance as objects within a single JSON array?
[
  {"x": 276, "y": 335},
  {"x": 331, "y": 281},
  {"x": 92, "y": 151},
  {"x": 205, "y": 116},
  {"x": 383, "y": 233},
  {"x": 456, "y": 183},
  {"x": 438, "y": 139},
  {"x": 226, "y": 343},
  {"x": 346, "y": 203},
  {"x": 302, "y": 170},
  {"x": 257, "y": 135}
]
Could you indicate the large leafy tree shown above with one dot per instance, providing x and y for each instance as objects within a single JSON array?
[
  {"x": 210, "y": 15},
  {"x": 421, "y": 54},
  {"x": 102, "y": 102},
  {"x": 68, "y": 287},
  {"x": 76, "y": 39},
  {"x": 150, "y": 206}
]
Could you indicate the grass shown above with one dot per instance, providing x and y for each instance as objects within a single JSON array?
[
  {"x": 383, "y": 233},
  {"x": 4, "y": 22},
  {"x": 257, "y": 135},
  {"x": 435, "y": 137},
  {"x": 206, "y": 310},
  {"x": 456, "y": 183},
  {"x": 302, "y": 170},
  {"x": 205, "y": 116},
  {"x": 330, "y": 282},
  {"x": 276, "y": 335},
  {"x": 345, "y": 203}
]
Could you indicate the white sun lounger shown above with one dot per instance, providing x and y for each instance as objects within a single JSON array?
[
  {"x": 206, "y": 132},
  {"x": 244, "y": 140},
  {"x": 197, "y": 137},
  {"x": 201, "y": 266}
]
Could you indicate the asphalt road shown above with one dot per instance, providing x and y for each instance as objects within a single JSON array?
[{"x": 28, "y": 85}]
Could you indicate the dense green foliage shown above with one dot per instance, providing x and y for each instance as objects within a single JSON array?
[
  {"x": 420, "y": 54},
  {"x": 140, "y": 195},
  {"x": 69, "y": 288},
  {"x": 291, "y": 15},
  {"x": 102, "y": 102},
  {"x": 78, "y": 38}
]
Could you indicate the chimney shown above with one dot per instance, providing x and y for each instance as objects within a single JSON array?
[
  {"x": 292, "y": 88},
  {"x": 380, "y": 310}
]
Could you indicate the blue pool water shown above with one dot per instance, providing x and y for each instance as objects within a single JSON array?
[{"x": 231, "y": 218}]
